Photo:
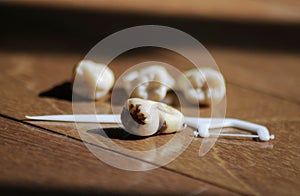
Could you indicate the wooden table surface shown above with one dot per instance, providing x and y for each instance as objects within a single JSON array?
[{"x": 39, "y": 47}]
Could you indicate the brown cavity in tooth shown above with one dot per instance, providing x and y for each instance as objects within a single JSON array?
[{"x": 135, "y": 113}]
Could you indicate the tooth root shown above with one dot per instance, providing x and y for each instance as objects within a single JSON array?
[
  {"x": 145, "y": 117},
  {"x": 172, "y": 118}
]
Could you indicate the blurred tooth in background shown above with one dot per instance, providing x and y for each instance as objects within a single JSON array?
[
  {"x": 93, "y": 80},
  {"x": 149, "y": 83},
  {"x": 201, "y": 86}
]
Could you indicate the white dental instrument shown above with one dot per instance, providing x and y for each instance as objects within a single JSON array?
[{"x": 201, "y": 124}]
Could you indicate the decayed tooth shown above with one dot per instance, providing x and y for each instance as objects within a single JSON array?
[
  {"x": 144, "y": 117},
  {"x": 194, "y": 85},
  {"x": 149, "y": 83},
  {"x": 93, "y": 80}
]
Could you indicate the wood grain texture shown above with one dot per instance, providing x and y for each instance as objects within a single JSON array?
[
  {"x": 275, "y": 74},
  {"x": 256, "y": 168},
  {"x": 34, "y": 158},
  {"x": 234, "y": 164},
  {"x": 43, "y": 40},
  {"x": 247, "y": 10}
]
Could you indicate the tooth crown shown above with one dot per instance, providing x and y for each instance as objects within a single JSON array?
[
  {"x": 145, "y": 117},
  {"x": 149, "y": 83},
  {"x": 202, "y": 85},
  {"x": 140, "y": 117}
]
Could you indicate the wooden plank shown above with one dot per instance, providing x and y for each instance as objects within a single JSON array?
[
  {"x": 287, "y": 11},
  {"x": 35, "y": 80},
  {"x": 256, "y": 168},
  {"x": 218, "y": 165},
  {"x": 34, "y": 160},
  {"x": 273, "y": 73},
  {"x": 224, "y": 166},
  {"x": 47, "y": 90}
]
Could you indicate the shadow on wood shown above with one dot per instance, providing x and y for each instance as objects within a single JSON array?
[
  {"x": 115, "y": 133},
  {"x": 24, "y": 190},
  {"x": 64, "y": 91},
  {"x": 61, "y": 91}
]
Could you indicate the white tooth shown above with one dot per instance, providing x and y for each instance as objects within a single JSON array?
[
  {"x": 93, "y": 80},
  {"x": 194, "y": 85},
  {"x": 149, "y": 83},
  {"x": 144, "y": 117}
]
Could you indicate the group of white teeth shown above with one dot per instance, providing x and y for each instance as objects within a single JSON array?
[
  {"x": 94, "y": 81},
  {"x": 144, "y": 114}
]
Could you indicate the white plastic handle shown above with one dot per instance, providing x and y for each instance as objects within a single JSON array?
[{"x": 202, "y": 125}]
